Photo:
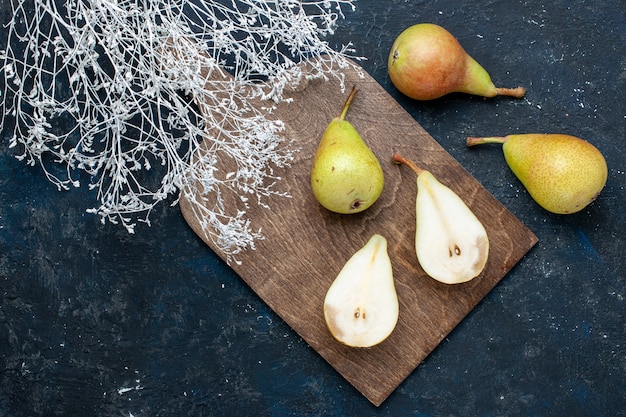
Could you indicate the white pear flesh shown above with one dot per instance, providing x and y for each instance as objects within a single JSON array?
[
  {"x": 361, "y": 306},
  {"x": 451, "y": 243}
]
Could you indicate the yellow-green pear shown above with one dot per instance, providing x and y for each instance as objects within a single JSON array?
[
  {"x": 346, "y": 176},
  {"x": 450, "y": 242},
  {"x": 361, "y": 306},
  {"x": 562, "y": 173},
  {"x": 426, "y": 62}
]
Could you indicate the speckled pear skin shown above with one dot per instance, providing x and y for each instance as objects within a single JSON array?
[
  {"x": 427, "y": 62},
  {"x": 346, "y": 176},
  {"x": 562, "y": 173}
]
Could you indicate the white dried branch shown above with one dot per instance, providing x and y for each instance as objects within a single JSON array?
[{"x": 122, "y": 94}]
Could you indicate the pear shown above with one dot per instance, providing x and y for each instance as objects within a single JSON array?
[
  {"x": 346, "y": 176},
  {"x": 450, "y": 242},
  {"x": 361, "y": 306},
  {"x": 562, "y": 173},
  {"x": 426, "y": 62}
]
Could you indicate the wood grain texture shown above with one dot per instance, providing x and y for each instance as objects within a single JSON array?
[{"x": 305, "y": 245}]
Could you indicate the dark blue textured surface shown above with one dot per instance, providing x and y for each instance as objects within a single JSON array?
[{"x": 94, "y": 321}]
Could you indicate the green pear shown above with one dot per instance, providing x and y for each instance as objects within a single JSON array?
[
  {"x": 346, "y": 176},
  {"x": 450, "y": 242},
  {"x": 361, "y": 306},
  {"x": 562, "y": 173},
  {"x": 426, "y": 62}
]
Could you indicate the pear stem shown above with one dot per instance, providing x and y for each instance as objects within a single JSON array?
[
  {"x": 518, "y": 92},
  {"x": 490, "y": 139},
  {"x": 399, "y": 159},
  {"x": 346, "y": 106}
]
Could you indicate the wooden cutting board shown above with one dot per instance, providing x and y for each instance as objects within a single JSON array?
[{"x": 305, "y": 246}]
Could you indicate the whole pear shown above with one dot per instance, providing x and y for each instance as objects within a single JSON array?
[
  {"x": 346, "y": 176},
  {"x": 451, "y": 243},
  {"x": 426, "y": 62},
  {"x": 562, "y": 173},
  {"x": 361, "y": 306}
]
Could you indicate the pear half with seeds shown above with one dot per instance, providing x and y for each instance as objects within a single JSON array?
[
  {"x": 450, "y": 242},
  {"x": 361, "y": 306}
]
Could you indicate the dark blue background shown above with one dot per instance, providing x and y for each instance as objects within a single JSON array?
[{"x": 97, "y": 322}]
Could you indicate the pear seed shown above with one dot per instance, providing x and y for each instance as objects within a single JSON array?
[{"x": 457, "y": 251}]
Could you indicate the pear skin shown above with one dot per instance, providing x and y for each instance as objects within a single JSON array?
[
  {"x": 346, "y": 176},
  {"x": 427, "y": 62},
  {"x": 361, "y": 306},
  {"x": 451, "y": 243},
  {"x": 562, "y": 173}
]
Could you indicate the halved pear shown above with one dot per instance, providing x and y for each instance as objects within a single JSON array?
[
  {"x": 361, "y": 306},
  {"x": 450, "y": 242}
]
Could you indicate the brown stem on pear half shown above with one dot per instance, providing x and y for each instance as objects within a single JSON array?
[
  {"x": 399, "y": 159},
  {"x": 518, "y": 92},
  {"x": 346, "y": 106},
  {"x": 489, "y": 139}
]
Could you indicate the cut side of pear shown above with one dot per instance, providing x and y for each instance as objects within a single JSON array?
[
  {"x": 450, "y": 241},
  {"x": 361, "y": 306}
]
